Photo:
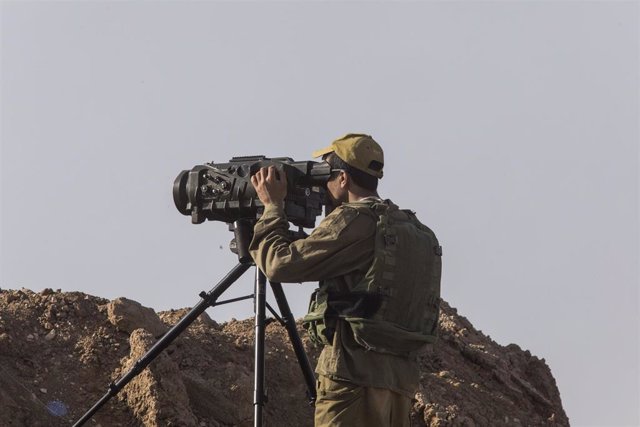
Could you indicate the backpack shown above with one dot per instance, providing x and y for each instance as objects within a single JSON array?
[{"x": 394, "y": 309}]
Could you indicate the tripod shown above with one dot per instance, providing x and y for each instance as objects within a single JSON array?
[{"x": 242, "y": 230}]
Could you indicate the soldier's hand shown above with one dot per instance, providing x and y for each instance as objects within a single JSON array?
[{"x": 271, "y": 188}]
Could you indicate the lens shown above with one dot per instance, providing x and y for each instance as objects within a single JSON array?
[{"x": 180, "y": 197}]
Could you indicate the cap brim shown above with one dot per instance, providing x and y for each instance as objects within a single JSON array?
[{"x": 322, "y": 152}]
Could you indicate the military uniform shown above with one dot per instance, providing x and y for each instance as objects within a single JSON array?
[
  {"x": 341, "y": 246},
  {"x": 377, "y": 302}
]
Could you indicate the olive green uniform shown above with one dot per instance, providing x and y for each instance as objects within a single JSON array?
[{"x": 354, "y": 384}]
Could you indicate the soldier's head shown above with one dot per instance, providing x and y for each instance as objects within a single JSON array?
[{"x": 356, "y": 162}]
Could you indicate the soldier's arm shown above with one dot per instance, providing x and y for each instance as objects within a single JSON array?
[{"x": 340, "y": 243}]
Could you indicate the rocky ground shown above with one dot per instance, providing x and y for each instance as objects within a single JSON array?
[{"x": 59, "y": 351}]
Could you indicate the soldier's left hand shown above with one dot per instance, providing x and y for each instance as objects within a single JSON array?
[{"x": 271, "y": 188}]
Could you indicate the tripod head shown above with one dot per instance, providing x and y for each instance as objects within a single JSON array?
[{"x": 243, "y": 233}]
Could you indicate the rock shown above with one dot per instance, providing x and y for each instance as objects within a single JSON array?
[
  {"x": 157, "y": 396},
  {"x": 128, "y": 315},
  {"x": 205, "y": 378},
  {"x": 208, "y": 321}
]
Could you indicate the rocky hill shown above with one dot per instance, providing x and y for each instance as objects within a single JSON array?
[{"x": 59, "y": 351}]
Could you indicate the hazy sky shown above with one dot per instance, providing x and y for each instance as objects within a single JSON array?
[{"x": 510, "y": 127}]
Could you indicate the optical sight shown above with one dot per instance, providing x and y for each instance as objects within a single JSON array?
[{"x": 223, "y": 191}]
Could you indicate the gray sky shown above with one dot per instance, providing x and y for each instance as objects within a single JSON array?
[{"x": 511, "y": 128}]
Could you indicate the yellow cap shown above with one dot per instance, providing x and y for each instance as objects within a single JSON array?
[{"x": 359, "y": 151}]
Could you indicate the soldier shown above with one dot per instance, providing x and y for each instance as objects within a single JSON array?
[{"x": 378, "y": 298}]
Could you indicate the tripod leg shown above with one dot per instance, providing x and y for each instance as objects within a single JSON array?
[
  {"x": 290, "y": 324},
  {"x": 258, "y": 381},
  {"x": 207, "y": 300}
]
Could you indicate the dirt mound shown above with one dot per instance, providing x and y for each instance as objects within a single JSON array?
[{"x": 59, "y": 351}]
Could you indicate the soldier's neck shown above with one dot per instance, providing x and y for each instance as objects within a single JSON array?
[{"x": 359, "y": 195}]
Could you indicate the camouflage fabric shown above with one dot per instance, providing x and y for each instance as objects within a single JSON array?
[
  {"x": 394, "y": 309},
  {"x": 344, "y": 404},
  {"x": 341, "y": 246}
]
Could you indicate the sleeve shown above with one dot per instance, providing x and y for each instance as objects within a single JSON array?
[{"x": 341, "y": 243}]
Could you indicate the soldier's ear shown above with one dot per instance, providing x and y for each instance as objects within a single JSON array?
[{"x": 345, "y": 180}]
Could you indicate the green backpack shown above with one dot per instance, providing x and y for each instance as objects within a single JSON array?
[{"x": 394, "y": 309}]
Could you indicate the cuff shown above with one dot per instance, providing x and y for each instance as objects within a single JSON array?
[{"x": 274, "y": 210}]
